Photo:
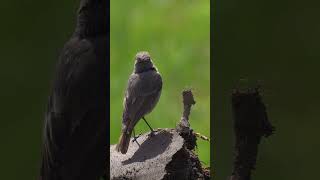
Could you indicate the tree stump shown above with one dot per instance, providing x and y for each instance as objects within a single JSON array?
[{"x": 166, "y": 155}]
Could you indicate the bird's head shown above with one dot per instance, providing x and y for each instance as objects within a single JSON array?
[
  {"x": 92, "y": 17},
  {"x": 143, "y": 62}
]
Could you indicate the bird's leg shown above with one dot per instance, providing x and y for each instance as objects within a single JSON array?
[
  {"x": 152, "y": 131},
  {"x": 135, "y": 137}
]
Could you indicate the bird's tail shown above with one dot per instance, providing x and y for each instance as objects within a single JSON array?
[{"x": 123, "y": 144}]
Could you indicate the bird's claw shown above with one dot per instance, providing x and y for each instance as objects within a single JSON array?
[
  {"x": 152, "y": 133},
  {"x": 135, "y": 138}
]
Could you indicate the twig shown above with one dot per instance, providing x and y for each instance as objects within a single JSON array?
[
  {"x": 188, "y": 101},
  {"x": 184, "y": 126}
]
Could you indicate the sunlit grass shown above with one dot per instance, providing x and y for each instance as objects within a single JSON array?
[{"x": 176, "y": 33}]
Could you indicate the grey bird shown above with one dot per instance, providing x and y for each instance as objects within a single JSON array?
[
  {"x": 75, "y": 131},
  {"x": 142, "y": 94}
]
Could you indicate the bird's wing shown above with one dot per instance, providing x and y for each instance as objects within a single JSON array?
[
  {"x": 76, "y": 121},
  {"x": 143, "y": 89}
]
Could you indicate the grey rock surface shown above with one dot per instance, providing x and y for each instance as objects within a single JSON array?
[{"x": 149, "y": 157}]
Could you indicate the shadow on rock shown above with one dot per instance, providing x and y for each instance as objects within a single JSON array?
[{"x": 151, "y": 147}]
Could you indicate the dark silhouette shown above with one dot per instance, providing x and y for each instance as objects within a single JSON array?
[
  {"x": 251, "y": 123},
  {"x": 142, "y": 95},
  {"x": 75, "y": 143}
]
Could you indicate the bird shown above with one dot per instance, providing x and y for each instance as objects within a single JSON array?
[
  {"x": 75, "y": 127},
  {"x": 141, "y": 96}
]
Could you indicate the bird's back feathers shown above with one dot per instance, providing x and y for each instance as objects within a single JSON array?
[
  {"x": 142, "y": 95},
  {"x": 75, "y": 126}
]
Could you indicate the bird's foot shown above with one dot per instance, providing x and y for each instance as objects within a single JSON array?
[
  {"x": 152, "y": 133},
  {"x": 135, "y": 139}
]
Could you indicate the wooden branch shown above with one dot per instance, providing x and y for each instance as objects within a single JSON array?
[
  {"x": 250, "y": 124},
  {"x": 166, "y": 155}
]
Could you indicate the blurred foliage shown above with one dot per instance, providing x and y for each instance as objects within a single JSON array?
[
  {"x": 276, "y": 42},
  {"x": 32, "y": 34},
  {"x": 177, "y": 35}
]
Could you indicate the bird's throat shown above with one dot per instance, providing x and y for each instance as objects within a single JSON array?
[{"x": 140, "y": 69}]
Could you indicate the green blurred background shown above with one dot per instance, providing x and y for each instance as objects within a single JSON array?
[
  {"x": 31, "y": 34},
  {"x": 276, "y": 42},
  {"x": 177, "y": 35}
]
